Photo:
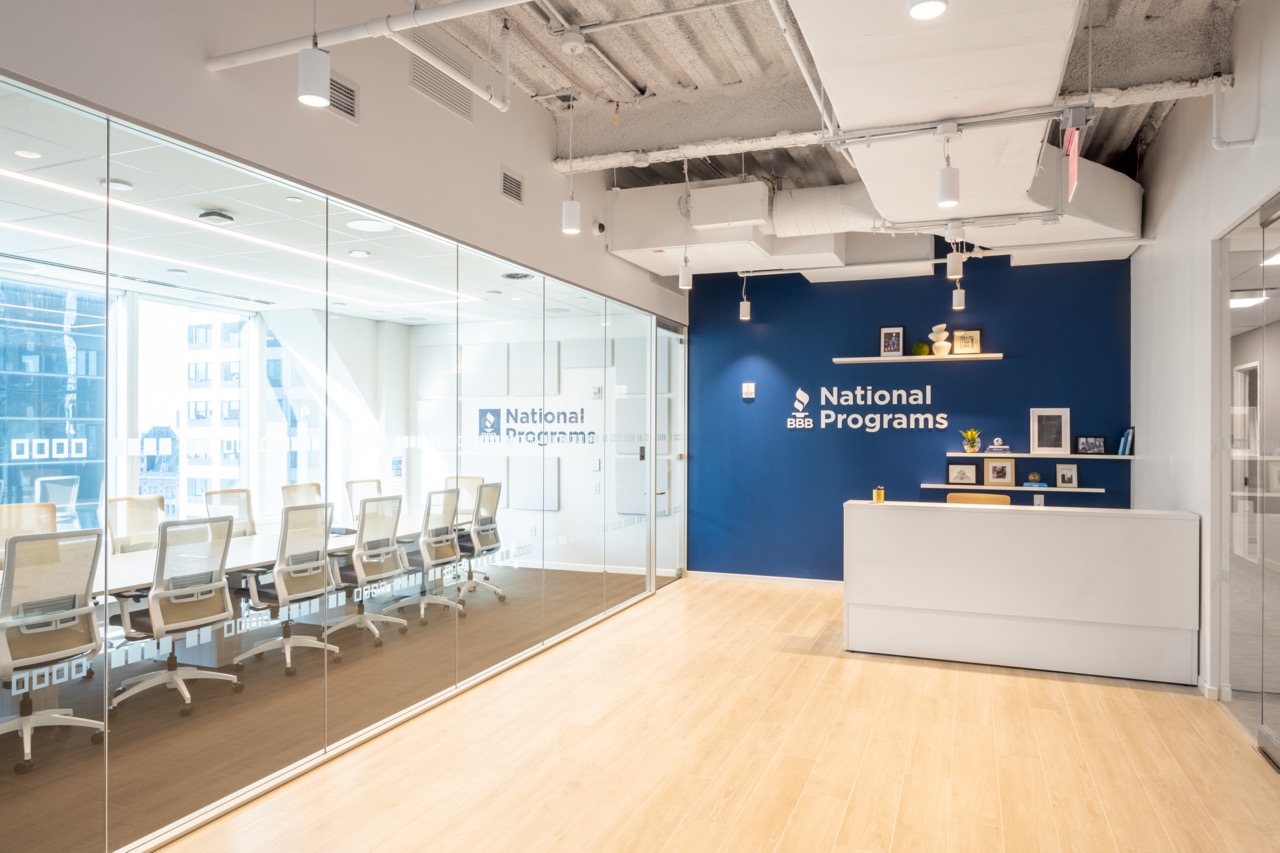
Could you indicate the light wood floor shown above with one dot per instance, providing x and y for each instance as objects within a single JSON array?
[{"x": 724, "y": 716}]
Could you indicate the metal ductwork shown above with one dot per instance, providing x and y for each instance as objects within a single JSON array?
[{"x": 823, "y": 210}]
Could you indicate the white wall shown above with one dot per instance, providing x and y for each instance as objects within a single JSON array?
[
  {"x": 1180, "y": 342},
  {"x": 409, "y": 157}
]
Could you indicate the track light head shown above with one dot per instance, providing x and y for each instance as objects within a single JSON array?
[
  {"x": 957, "y": 298},
  {"x": 313, "y": 77},
  {"x": 955, "y": 266},
  {"x": 923, "y": 10},
  {"x": 948, "y": 186}
]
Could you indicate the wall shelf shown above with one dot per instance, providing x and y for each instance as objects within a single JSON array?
[
  {"x": 879, "y": 359},
  {"x": 962, "y": 454},
  {"x": 960, "y": 488}
]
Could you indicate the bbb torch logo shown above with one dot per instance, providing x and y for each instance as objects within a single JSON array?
[
  {"x": 799, "y": 419},
  {"x": 490, "y": 424}
]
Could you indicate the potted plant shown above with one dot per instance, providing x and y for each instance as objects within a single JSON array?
[{"x": 971, "y": 443}]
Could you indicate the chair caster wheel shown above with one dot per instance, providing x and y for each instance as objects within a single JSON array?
[
  {"x": 88, "y": 673},
  {"x": 111, "y": 712},
  {"x": 23, "y": 767},
  {"x": 238, "y": 687},
  {"x": 260, "y": 655},
  {"x": 462, "y": 602},
  {"x": 238, "y": 666},
  {"x": 290, "y": 670},
  {"x": 185, "y": 710},
  {"x": 462, "y": 613},
  {"x": 377, "y": 642},
  {"x": 422, "y": 621},
  {"x": 96, "y": 737},
  {"x": 403, "y": 629},
  {"x": 502, "y": 597},
  {"x": 337, "y": 658},
  {"x": 117, "y": 691}
]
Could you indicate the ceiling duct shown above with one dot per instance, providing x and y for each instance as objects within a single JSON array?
[{"x": 823, "y": 210}]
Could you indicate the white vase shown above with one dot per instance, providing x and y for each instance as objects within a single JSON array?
[{"x": 942, "y": 348}]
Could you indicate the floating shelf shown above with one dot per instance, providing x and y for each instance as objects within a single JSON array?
[
  {"x": 961, "y": 453},
  {"x": 880, "y": 359},
  {"x": 961, "y": 488}
]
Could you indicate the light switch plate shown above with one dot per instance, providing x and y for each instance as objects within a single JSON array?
[
  {"x": 1039, "y": 500},
  {"x": 748, "y": 390}
]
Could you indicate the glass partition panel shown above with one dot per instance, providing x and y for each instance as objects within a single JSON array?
[
  {"x": 573, "y": 465},
  {"x": 220, "y": 394},
  {"x": 53, "y": 399},
  {"x": 391, "y": 431},
  {"x": 631, "y": 451},
  {"x": 669, "y": 456}
]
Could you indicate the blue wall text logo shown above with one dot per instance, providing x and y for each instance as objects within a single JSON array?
[
  {"x": 490, "y": 424},
  {"x": 799, "y": 419}
]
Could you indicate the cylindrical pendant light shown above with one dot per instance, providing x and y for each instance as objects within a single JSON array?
[
  {"x": 744, "y": 310},
  {"x": 957, "y": 298},
  {"x": 686, "y": 276},
  {"x": 571, "y": 216},
  {"x": 955, "y": 266},
  {"x": 313, "y": 77},
  {"x": 948, "y": 185}
]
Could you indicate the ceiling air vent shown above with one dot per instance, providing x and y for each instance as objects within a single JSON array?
[
  {"x": 435, "y": 85},
  {"x": 342, "y": 98},
  {"x": 670, "y": 282},
  {"x": 512, "y": 187}
]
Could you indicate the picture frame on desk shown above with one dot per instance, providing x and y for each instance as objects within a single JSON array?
[
  {"x": 966, "y": 342},
  {"x": 891, "y": 341},
  {"x": 998, "y": 471},
  {"x": 1068, "y": 478},
  {"x": 962, "y": 474},
  {"x": 1051, "y": 431},
  {"x": 1092, "y": 445}
]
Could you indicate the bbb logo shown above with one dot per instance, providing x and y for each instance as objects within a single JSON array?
[
  {"x": 800, "y": 419},
  {"x": 490, "y": 424}
]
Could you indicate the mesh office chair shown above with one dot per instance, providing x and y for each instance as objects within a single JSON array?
[
  {"x": 376, "y": 559},
  {"x": 133, "y": 523},
  {"x": 16, "y": 519},
  {"x": 47, "y": 617},
  {"x": 301, "y": 494},
  {"x": 977, "y": 498},
  {"x": 479, "y": 539},
  {"x": 357, "y": 491},
  {"x": 236, "y": 503},
  {"x": 466, "y": 487},
  {"x": 438, "y": 544},
  {"x": 301, "y": 573},
  {"x": 62, "y": 493},
  {"x": 189, "y": 591}
]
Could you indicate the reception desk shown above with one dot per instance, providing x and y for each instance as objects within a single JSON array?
[{"x": 1107, "y": 592}]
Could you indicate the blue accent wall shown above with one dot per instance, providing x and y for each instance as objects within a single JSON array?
[{"x": 765, "y": 499}]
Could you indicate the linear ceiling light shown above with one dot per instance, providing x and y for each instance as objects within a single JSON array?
[
  {"x": 923, "y": 10},
  {"x": 1247, "y": 301}
]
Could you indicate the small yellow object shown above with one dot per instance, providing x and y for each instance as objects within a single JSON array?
[{"x": 877, "y": 495}]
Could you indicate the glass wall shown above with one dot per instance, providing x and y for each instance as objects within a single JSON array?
[
  {"x": 1251, "y": 592},
  {"x": 199, "y": 360}
]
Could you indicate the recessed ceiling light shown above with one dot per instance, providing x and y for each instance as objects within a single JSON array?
[
  {"x": 176, "y": 271},
  {"x": 516, "y": 298},
  {"x": 359, "y": 253},
  {"x": 293, "y": 199},
  {"x": 1272, "y": 261},
  {"x": 338, "y": 304},
  {"x": 369, "y": 225},
  {"x": 923, "y": 10},
  {"x": 518, "y": 276},
  {"x": 28, "y": 155},
  {"x": 1247, "y": 301},
  {"x": 217, "y": 217},
  {"x": 118, "y": 184}
]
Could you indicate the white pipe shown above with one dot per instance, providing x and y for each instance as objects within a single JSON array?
[
  {"x": 1218, "y": 142},
  {"x": 356, "y": 32},
  {"x": 502, "y": 103},
  {"x": 828, "y": 124}
]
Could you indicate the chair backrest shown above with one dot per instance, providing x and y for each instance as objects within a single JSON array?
[
  {"x": 300, "y": 494},
  {"x": 358, "y": 490},
  {"x": 439, "y": 538},
  {"x": 60, "y": 491},
  {"x": 466, "y": 487},
  {"x": 977, "y": 498},
  {"x": 377, "y": 554},
  {"x": 190, "y": 587},
  {"x": 16, "y": 519},
  {"x": 133, "y": 522},
  {"x": 46, "y": 613},
  {"x": 301, "y": 570},
  {"x": 484, "y": 519},
  {"x": 236, "y": 503}
]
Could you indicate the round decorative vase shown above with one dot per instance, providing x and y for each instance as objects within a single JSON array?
[
  {"x": 942, "y": 348},
  {"x": 971, "y": 448}
]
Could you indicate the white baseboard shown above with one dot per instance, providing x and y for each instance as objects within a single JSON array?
[
  {"x": 1224, "y": 693},
  {"x": 1211, "y": 692},
  {"x": 775, "y": 579},
  {"x": 596, "y": 568}
]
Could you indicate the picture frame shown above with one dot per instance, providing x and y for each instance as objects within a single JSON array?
[
  {"x": 962, "y": 474},
  {"x": 892, "y": 341},
  {"x": 966, "y": 342},
  {"x": 998, "y": 471},
  {"x": 1068, "y": 477},
  {"x": 1091, "y": 445},
  {"x": 1051, "y": 431}
]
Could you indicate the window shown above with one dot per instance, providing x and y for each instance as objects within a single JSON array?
[
  {"x": 231, "y": 411},
  {"x": 197, "y": 486},
  {"x": 275, "y": 372},
  {"x": 199, "y": 411},
  {"x": 231, "y": 374},
  {"x": 200, "y": 335},
  {"x": 230, "y": 451},
  {"x": 229, "y": 483},
  {"x": 231, "y": 333},
  {"x": 198, "y": 371}
]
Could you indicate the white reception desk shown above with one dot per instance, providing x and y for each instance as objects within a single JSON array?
[{"x": 1108, "y": 592}]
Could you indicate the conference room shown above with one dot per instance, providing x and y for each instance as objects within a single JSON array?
[{"x": 278, "y": 469}]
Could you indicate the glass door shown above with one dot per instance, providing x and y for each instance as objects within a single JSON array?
[
  {"x": 669, "y": 455},
  {"x": 1269, "y": 486}
]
